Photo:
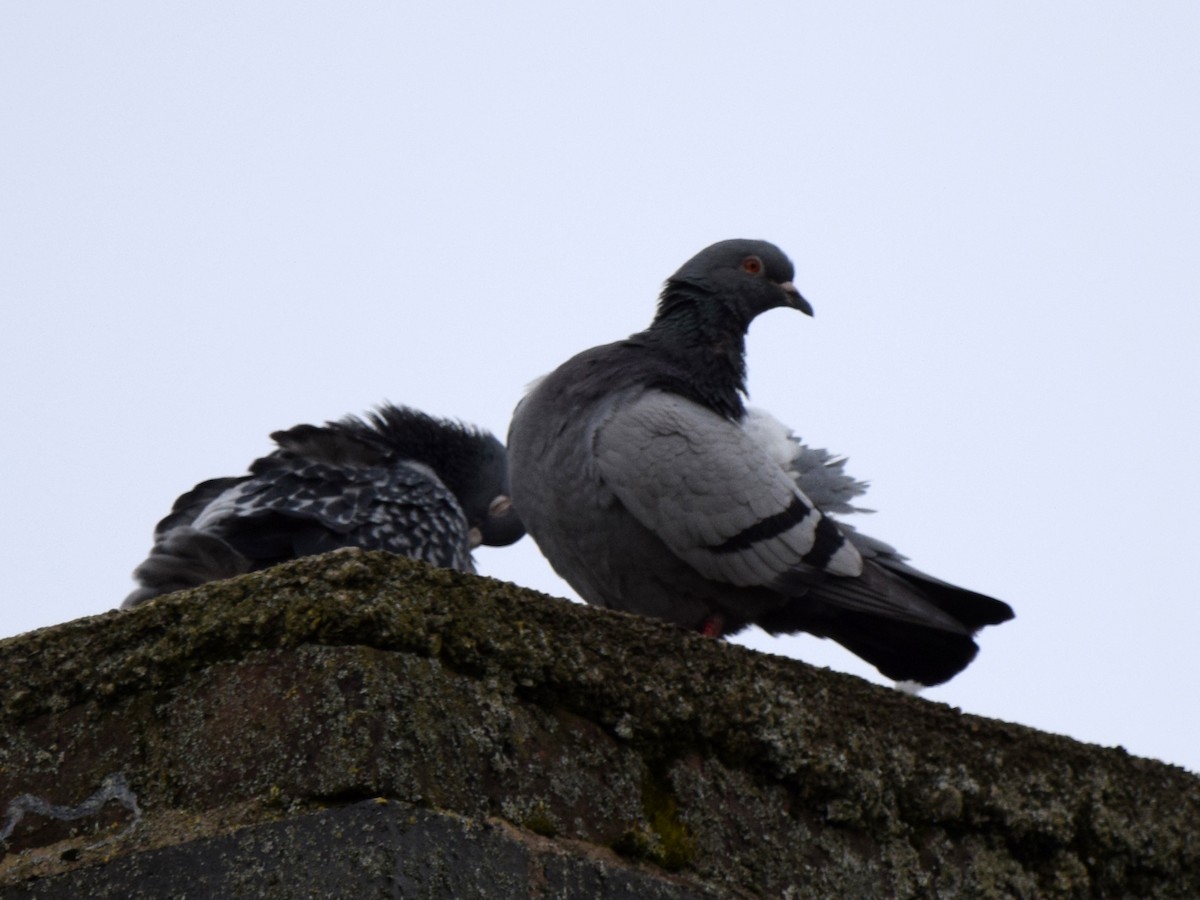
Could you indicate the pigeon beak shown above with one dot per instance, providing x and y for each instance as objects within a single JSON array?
[{"x": 794, "y": 300}]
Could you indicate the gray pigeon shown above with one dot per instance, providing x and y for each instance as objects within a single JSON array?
[
  {"x": 650, "y": 488},
  {"x": 399, "y": 480}
]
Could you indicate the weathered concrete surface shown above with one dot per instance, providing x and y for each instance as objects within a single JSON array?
[
  {"x": 368, "y": 849},
  {"x": 522, "y": 742}
]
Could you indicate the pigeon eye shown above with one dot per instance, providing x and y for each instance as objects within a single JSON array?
[{"x": 753, "y": 265}]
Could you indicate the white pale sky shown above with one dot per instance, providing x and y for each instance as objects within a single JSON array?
[{"x": 218, "y": 219}]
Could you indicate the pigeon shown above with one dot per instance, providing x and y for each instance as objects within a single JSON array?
[
  {"x": 398, "y": 480},
  {"x": 651, "y": 488}
]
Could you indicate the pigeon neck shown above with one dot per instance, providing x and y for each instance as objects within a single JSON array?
[{"x": 711, "y": 350}]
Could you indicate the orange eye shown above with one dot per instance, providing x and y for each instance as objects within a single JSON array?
[{"x": 753, "y": 265}]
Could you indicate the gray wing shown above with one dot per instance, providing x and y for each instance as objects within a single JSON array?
[
  {"x": 721, "y": 499},
  {"x": 713, "y": 494}
]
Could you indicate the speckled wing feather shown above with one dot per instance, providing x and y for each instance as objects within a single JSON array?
[{"x": 295, "y": 507}]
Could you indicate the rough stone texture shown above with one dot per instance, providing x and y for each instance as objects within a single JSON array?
[
  {"x": 530, "y": 747},
  {"x": 368, "y": 849}
]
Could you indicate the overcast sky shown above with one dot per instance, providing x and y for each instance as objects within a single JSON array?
[{"x": 223, "y": 219}]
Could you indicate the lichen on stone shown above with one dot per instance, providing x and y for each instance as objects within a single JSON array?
[{"x": 334, "y": 680}]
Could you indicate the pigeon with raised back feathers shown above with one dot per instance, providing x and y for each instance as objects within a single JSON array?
[
  {"x": 652, "y": 489},
  {"x": 398, "y": 480}
]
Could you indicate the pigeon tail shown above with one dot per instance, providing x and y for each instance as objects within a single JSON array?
[
  {"x": 184, "y": 558},
  {"x": 910, "y": 626},
  {"x": 902, "y": 651},
  {"x": 972, "y": 609}
]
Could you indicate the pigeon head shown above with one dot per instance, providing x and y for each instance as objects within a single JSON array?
[
  {"x": 470, "y": 462},
  {"x": 733, "y": 281},
  {"x": 704, "y": 312},
  {"x": 485, "y": 497},
  {"x": 474, "y": 466}
]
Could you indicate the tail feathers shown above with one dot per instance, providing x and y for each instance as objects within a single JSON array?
[
  {"x": 900, "y": 650},
  {"x": 183, "y": 558},
  {"x": 903, "y": 651},
  {"x": 972, "y": 609},
  {"x": 910, "y": 626}
]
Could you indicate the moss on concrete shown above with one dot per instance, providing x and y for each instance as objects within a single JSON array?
[{"x": 356, "y": 675}]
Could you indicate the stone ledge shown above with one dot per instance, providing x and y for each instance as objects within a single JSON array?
[
  {"x": 255, "y": 702},
  {"x": 368, "y": 849}
]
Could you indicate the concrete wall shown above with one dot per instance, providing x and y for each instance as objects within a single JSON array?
[{"x": 365, "y": 726}]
